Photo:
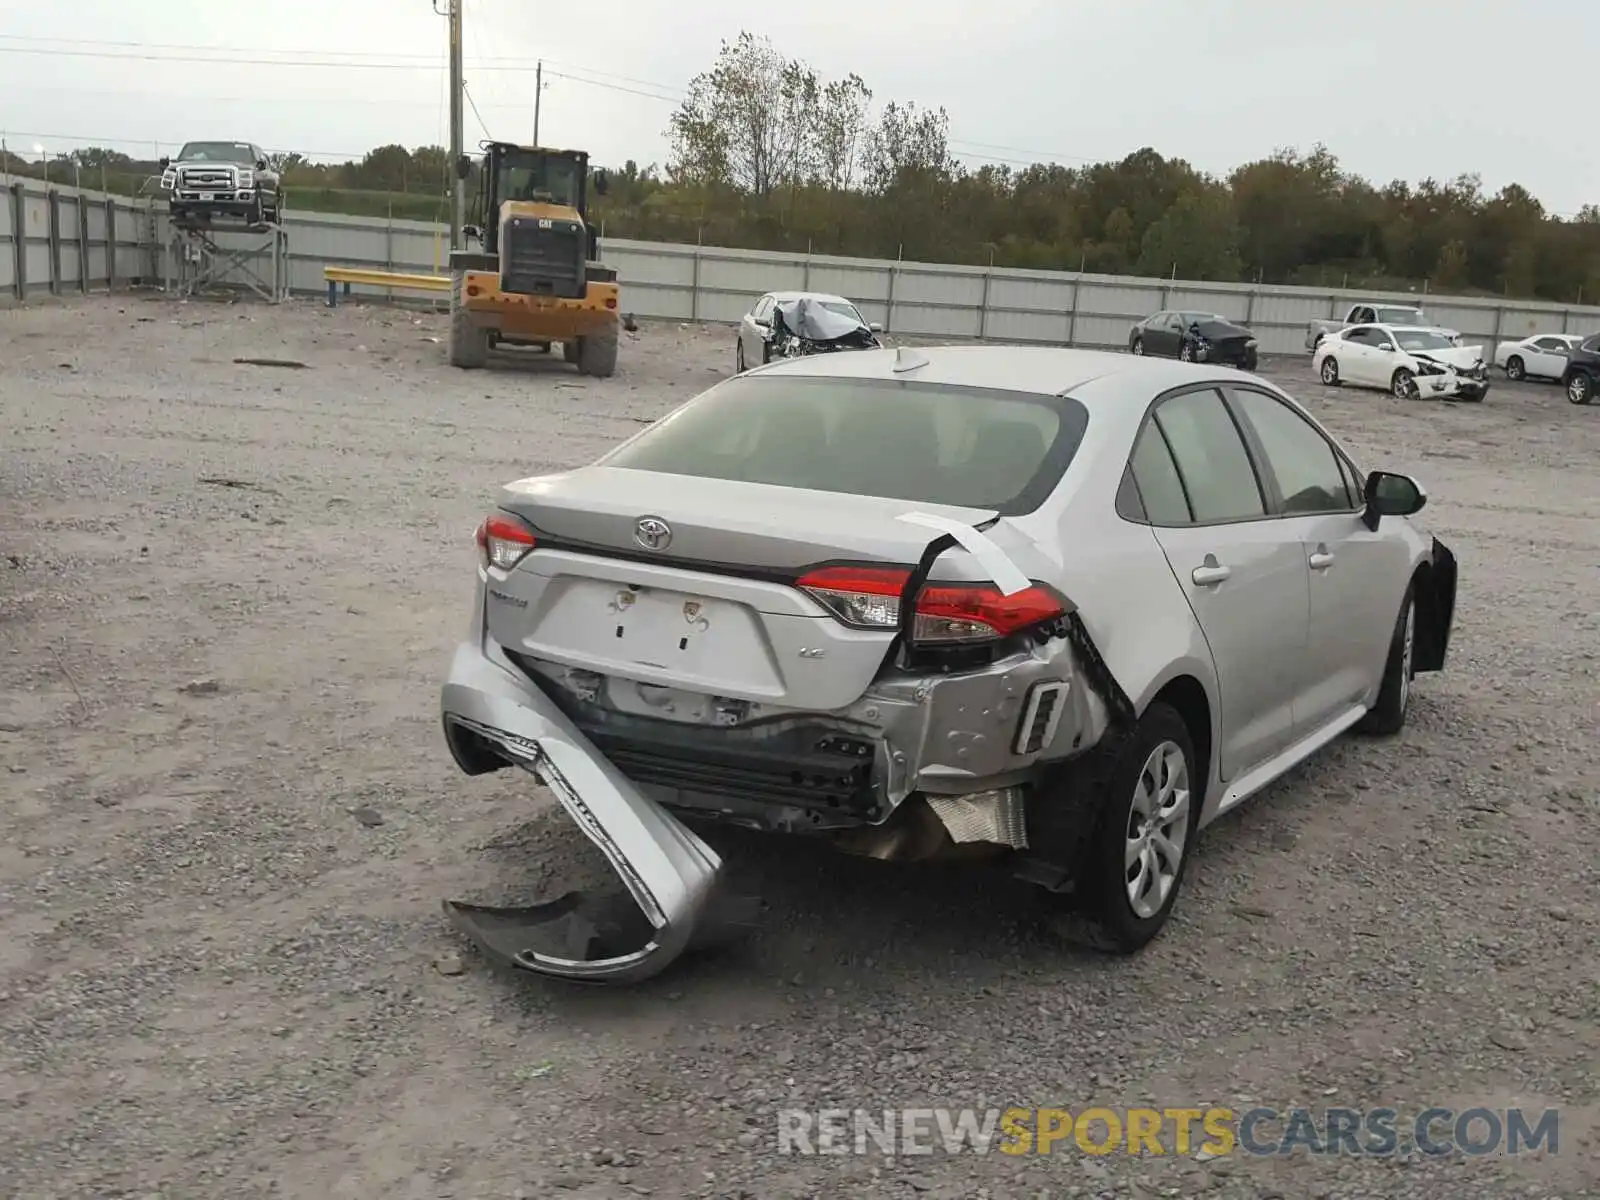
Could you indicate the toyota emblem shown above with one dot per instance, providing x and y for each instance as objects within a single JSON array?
[{"x": 652, "y": 533}]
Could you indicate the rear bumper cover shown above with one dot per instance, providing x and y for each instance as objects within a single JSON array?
[{"x": 669, "y": 872}]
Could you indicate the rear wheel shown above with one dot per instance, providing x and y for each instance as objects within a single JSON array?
[
  {"x": 1580, "y": 388},
  {"x": 1186, "y": 351},
  {"x": 1148, "y": 807},
  {"x": 1330, "y": 371},
  {"x": 1515, "y": 369},
  {"x": 469, "y": 342},
  {"x": 569, "y": 352},
  {"x": 597, "y": 353},
  {"x": 1138, "y": 345},
  {"x": 738, "y": 357}
]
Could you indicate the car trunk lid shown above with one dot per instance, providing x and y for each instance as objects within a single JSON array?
[
  {"x": 746, "y": 528},
  {"x": 710, "y": 610}
]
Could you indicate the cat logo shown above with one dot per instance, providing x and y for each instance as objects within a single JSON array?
[{"x": 545, "y": 223}]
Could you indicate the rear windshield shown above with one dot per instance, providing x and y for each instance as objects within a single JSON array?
[
  {"x": 225, "y": 152},
  {"x": 926, "y": 443},
  {"x": 1403, "y": 316}
]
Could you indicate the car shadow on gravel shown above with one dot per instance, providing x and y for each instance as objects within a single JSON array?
[{"x": 827, "y": 919}]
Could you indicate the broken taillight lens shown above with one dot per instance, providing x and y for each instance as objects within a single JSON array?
[
  {"x": 503, "y": 540},
  {"x": 869, "y": 598}
]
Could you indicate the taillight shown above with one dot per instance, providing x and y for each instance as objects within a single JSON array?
[
  {"x": 869, "y": 598},
  {"x": 504, "y": 539}
]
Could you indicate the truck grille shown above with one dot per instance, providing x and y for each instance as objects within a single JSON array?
[
  {"x": 210, "y": 179},
  {"x": 544, "y": 262}
]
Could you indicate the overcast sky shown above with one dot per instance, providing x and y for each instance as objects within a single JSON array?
[{"x": 1396, "y": 88}]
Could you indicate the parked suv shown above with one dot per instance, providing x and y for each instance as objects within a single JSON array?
[
  {"x": 1582, "y": 377},
  {"x": 232, "y": 179}
]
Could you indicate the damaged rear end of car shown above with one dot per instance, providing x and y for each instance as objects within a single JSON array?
[{"x": 768, "y": 611}]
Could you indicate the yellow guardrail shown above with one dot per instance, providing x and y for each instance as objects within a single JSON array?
[{"x": 401, "y": 280}]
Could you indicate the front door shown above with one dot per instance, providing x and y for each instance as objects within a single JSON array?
[
  {"x": 1244, "y": 578},
  {"x": 1351, "y": 570}
]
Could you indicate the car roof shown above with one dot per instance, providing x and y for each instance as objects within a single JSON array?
[{"x": 1035, "y": 370}]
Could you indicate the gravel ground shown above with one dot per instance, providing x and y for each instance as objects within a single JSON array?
[{"x": 228, "y": 820}]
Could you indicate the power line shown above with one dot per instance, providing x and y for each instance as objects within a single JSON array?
[{"x": 648, "y": 89}]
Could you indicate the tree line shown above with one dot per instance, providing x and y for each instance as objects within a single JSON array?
[{"x": 766, "y": 153}]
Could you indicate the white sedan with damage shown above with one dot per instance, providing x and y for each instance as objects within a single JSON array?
[
  {"x": 1411, "y": 362},
  {"x": 1056, "y": 610}
]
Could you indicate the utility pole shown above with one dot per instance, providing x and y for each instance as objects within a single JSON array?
[
  {"x": 458, "y": 206},
  {"x": 538, "y": 94}
]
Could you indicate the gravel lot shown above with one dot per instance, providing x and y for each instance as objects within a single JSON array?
[{"x": 227, "y": 602}]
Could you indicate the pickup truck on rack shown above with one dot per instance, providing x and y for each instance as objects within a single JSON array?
[
  {"x": 232, "y": 179},
  {"x": 1373, "y": 312}
]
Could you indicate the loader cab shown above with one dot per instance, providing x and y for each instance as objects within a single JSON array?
[{"x": 532, "y": 211}]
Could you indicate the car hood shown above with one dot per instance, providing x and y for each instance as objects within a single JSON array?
[
  {"x": 1217, "y": 331},
  {"x": 807, "y": 318},
  {"x": 1454, "y": 356}
]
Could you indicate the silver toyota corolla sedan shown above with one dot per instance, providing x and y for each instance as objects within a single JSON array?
[{"x": 1054, "y": 608}]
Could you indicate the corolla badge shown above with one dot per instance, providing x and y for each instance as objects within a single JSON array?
[{"x": 652, "y": 533}]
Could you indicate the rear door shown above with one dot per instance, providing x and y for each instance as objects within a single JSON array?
[
  {"x": 1244, "y": 574},
  {"x": 1357, "y": 576}
]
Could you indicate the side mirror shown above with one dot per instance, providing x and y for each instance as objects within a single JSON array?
[
  {"x": 463, "y": 167},
  {"x": 472, "y": 231},
  {"x": 261, "y": 164},
  {"x": 1391, "y": 495},
  {"x": 602, "y": 183},
  {"x": 163, "y": 162},
  {"x": 1386, "y": 347},
  {"x": 874, "y": 327}
]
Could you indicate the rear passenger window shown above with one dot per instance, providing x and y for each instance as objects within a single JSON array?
[
  {"x": 1212, "y": 461},
  {"x": 1156, "y": 477}
]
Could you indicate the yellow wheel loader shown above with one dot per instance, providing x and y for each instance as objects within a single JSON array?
[{"x": 537, "y": 279}]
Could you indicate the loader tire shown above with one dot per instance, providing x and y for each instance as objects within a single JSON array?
[
  {"x": 469, "y": 342},
  {"x": 569, "y": 352},
  {"x": 597, "y": 354}
]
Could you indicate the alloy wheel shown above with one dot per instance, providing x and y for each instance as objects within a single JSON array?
[
  {"x": 1578, "y": 388},
  {"x": 1514, "y": 370},
  {"x": 1158, "y": 830}
]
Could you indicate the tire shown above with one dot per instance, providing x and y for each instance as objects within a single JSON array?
[
  {"x": 1156, "y": 755},
  {"x": 1515, "y": 371},
  {"x": 569, "y": 352},
  {"x": 1387, "y": 716},
  {"x": 1580, "y": 388},
  {"x": 1330, "y": 371},
  {"x": 597, "y": 353},
  {"x": 1404, "y": 385},
  {"x": 1138, "y": 346},
  {"x": 738, "y": 357},
  {"x": 469, "y": 342}
]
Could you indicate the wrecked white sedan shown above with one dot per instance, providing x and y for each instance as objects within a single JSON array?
[
  {"x": 1412, "y": 363},
  {"x": 1062, "y": 607}
]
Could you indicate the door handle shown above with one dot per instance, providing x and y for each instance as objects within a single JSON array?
[
  {"x": 1321, "y": 560},
  {"x": 1210, "y": 574}
]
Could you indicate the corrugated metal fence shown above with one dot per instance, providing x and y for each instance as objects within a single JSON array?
[{"x": 62, "y": 240}]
